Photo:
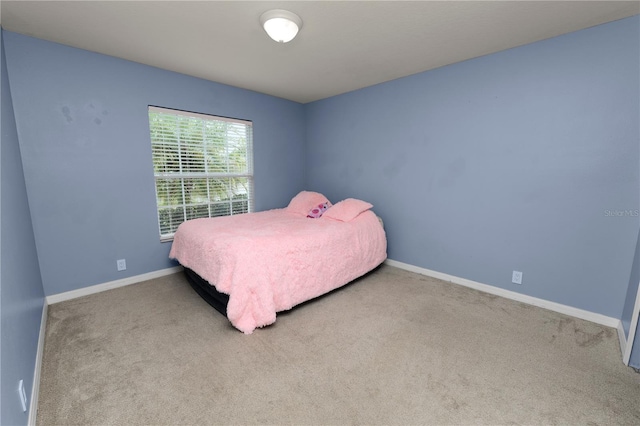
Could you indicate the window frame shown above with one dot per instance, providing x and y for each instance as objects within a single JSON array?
[{"x": 206, "y": 175}]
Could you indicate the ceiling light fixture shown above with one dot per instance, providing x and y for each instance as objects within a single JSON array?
[{"x": 281, "y": 25}]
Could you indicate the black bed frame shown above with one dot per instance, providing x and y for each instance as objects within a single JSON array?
[
  {"x": 219, "y": 300},
  {"x": 208, "y": 292}
]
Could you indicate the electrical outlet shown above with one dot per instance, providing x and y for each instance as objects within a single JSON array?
[
  {"x": 122, "y": 264},
  {"x": 516, "y": 278},
  {"x": 23, "y": 396}
]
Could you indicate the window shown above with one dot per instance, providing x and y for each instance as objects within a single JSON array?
[{"x": 202, "y": 166}]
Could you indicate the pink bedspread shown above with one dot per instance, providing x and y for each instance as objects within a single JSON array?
[{"x": 271, "y": 261}]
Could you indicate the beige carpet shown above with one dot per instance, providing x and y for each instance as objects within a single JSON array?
[{"x": 391, "y": 348}]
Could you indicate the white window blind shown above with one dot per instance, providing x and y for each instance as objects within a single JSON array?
[{"x": 202, "y": 164}]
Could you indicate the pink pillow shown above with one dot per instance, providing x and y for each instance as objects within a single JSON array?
[
  {"x": 347, "y": 210},
  {"x": 305, "y": 201}
]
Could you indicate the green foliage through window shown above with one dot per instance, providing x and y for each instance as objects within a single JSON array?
[{"x": 202, "y": 166}]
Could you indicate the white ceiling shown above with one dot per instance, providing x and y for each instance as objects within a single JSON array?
[{"x": 343, "y": 45}]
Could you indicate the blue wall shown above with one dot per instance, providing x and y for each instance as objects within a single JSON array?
[
  {"x": 21, "y": 286},
  {"x": 520, "y": 160},
  {"x": 83, "y": 126}
]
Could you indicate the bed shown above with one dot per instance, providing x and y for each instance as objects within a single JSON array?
[{"x": 251, "y": 266}]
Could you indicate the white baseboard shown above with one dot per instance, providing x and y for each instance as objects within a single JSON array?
[
  {"x": 35, "y": 388},
  {"x": 98, "y": 288},
  {"x": 623, "y": 340},
  {"x": 519, "y": 297},
  {"x": 626, "y": 352}
]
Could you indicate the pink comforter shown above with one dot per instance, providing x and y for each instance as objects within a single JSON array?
[{"x": 271, "y": 261}]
